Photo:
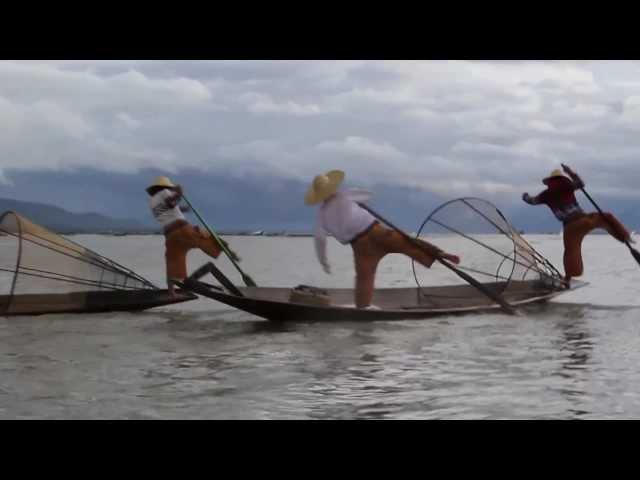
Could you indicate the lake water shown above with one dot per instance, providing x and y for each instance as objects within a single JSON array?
[{"x": 576, "y": 357}]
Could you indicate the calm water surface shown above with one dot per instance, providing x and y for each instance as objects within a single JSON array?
[{"x": 577, "y": 357}]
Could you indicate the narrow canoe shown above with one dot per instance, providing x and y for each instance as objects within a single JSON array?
[{"x": 275, "y": 304}]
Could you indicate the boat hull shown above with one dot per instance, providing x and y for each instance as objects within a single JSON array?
[
  {"x": 394, "y": 303},
  {"x": 89, "y": 302}
]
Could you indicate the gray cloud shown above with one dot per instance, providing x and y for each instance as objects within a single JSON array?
[{"x": 442, "y": 126}]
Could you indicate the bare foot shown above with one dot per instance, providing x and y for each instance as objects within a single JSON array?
[{"x": 171, "y": 290}]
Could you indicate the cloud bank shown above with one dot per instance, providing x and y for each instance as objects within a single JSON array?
[{"x": 447, "y": 127}]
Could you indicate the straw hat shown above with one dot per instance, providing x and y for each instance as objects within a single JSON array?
[
  {"x": 323, "y": 187},
  {"x": 161, "y": 182},
  {"x": 556, "y": 173}
]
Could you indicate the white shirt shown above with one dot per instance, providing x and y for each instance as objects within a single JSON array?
[
  {"x": 164, "y": 214},
  {"x": 341, "y": 217}
]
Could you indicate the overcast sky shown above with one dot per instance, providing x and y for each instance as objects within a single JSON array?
[{"x": 449, "y": 127}]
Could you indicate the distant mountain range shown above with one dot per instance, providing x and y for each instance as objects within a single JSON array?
[
  {"x": 63, "y": 221},
  {"x": 248, "y": 204}
]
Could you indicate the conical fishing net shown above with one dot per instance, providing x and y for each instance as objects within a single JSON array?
[
  {"x": 490, "y": 248},
  {"x": 36, "y": 263}
]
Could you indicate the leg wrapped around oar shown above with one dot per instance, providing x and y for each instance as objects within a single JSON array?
[
  {"x": 611, "y": 224},
  {"x": 179, "y": 242},
  {"x": 393, "y": 242},
  {"x": 444, "y": 259},
  {"x": 575, "y": 231},
  {"x": 373, "y": 246},
  {"x": 221, "y": 244}
]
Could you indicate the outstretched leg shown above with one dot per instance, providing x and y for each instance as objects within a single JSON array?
[
  {"x": 419, "y": 250},
  {"x": 573, "y": 235},
  {"x": 380, "y": 241},
  {"x": 612, "y": 225},
  {"x": 205, "y": 242}
]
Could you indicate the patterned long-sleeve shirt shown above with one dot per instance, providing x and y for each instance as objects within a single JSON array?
[
  {"x": 559, "y": 197},
  {"x": 164, "y": 206}
]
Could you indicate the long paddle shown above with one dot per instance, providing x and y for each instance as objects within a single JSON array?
[
  {"x": 633, "y": 251},
  {"x": 246, "y": 278},
  {"x": 467, "y": 278}
]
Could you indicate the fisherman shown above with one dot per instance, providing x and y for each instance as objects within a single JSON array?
[
  {"x": 180, "y": 236},
  {"x": 559, "y": 197},
  {"x": 341, "y": 216}
]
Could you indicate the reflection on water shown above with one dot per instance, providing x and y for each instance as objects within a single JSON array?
[
  {"x": 578, "y": 348},
  {"x": 181, "y": 365}
]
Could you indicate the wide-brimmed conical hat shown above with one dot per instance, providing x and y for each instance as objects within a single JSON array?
[
  {"x": 556, "y": 173},
  {"x": 323, "y": 186},
  {"x": 161, "y": 182}
]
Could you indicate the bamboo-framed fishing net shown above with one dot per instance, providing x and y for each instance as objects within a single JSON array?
[
  {"x": 37, "y": 264},
  {"x": 491, "y": 249}
]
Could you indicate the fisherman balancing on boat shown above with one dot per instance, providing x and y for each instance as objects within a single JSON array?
[
  {"x": 559, "y": 197},
  {"x": 180, "y": 235},
  {"x": 341, "y": 216}
]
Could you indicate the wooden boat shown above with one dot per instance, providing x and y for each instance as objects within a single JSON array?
[
  {"x": 42, "y": 272},
  {"x": 519, "y": 275},
  {"x": 395, "y": 303},
  {"x": 89, "y": 301}
]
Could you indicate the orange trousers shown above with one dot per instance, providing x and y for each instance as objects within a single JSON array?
[
  {"x": 372, "y": 247},
  {"x": 575, "y": 231},
  {"x": 179, "y": 242}
]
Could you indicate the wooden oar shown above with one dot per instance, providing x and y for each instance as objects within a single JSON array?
[
  {"x": 467, "y": 278},
  {"x": 209, "y": 267},
  {"x": 246, "y": 278},
  {"x": 633, "y": 251}
]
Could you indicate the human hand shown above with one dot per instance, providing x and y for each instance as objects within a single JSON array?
[{"x": 568, "y": 170}]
